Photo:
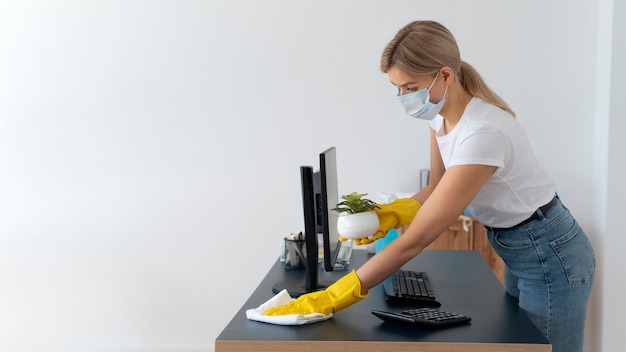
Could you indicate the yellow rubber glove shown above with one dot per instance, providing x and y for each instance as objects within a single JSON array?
[
  {"x": 391, "y": 216},
  {"x": 343, "y": 293}
]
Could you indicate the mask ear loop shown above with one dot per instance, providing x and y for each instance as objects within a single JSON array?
[
  {"x": 434, "y": 80},
  {"x": 444, "y": 93},
  {"x": 432, "y": 84}
]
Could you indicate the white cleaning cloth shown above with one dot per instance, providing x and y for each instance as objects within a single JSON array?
[{"x": 282, "y": 298}]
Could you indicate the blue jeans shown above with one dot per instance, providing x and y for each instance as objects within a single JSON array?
[{"x": 549, "y": 269}]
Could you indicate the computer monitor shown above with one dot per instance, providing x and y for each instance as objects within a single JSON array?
[
  {"x": 319, "y": 197},
  {"x": 326, "y": 198}
]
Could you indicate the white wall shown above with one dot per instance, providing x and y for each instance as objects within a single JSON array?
[
  {"x": 611, "y": 110},
  {"x": 149, "y": 150}
]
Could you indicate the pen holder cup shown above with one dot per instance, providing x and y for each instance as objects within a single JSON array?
[{"x": 295, "y": 254}]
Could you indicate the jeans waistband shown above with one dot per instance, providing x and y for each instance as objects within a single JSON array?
[{"x": 535, "y": 216}]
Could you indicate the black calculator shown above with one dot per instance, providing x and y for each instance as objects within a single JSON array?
[{"x": 424, "y": 317}]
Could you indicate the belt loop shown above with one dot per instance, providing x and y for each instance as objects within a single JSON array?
[{"x": 540, "y": 214}]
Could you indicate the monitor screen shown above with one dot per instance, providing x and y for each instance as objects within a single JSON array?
[{"x": 326, "y": 198}]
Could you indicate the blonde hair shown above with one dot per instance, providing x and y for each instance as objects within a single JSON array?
[{"x": 424, "y": 47}]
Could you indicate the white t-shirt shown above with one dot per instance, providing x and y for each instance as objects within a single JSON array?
[{"x": 488, "y": 135}]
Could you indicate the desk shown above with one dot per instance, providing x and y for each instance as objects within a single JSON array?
[{"x": 463, "y": 281}]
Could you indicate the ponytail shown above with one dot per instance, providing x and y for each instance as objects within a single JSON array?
[{"x": 474, "y": 84}]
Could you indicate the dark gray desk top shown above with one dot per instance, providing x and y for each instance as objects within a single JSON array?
[{"x": 463, "y": 281}]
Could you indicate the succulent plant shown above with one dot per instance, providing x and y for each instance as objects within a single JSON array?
[{"x": 355, "y": 203}]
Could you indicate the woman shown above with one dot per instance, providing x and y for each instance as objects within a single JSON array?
[{"x": 481, "y": 160}]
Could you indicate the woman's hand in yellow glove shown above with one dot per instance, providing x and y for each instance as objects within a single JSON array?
[
  {"x": 391, "y": 216},
  {"x": 343, "y": 293}
]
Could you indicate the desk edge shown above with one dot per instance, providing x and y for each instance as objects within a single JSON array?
[{"x": 372, "y": 346}]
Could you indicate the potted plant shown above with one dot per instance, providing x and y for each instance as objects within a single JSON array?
[{"x": 357, "y": 218}]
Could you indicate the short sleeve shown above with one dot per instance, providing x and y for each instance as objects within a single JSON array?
[{"x": 484, "y": 145}]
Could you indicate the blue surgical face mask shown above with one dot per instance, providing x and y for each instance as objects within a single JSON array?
[{"x": 418, "y": 104}]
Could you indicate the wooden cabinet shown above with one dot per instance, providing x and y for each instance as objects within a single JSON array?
[{"x": 468, "y": 234}]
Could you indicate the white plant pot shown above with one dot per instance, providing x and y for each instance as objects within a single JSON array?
[{"x": 359, "y": 225}]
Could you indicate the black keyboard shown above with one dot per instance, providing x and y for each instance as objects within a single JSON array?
[
  {"x": 410, "y": 287},
  {"x": 424, "y": 317}
]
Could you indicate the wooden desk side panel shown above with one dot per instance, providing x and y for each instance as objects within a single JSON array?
[{"x": 371, "y": 346}]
